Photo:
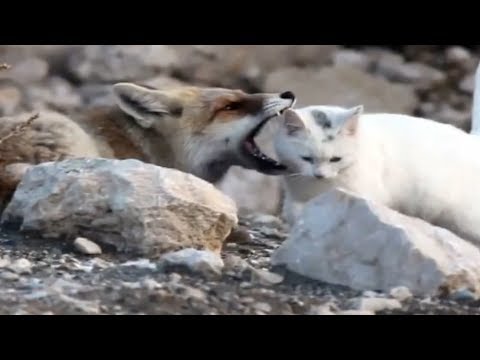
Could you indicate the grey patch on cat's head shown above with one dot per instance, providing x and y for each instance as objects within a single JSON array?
[
  {"x": 329, "y": 138},
  {"x": 321, "y": 119}
]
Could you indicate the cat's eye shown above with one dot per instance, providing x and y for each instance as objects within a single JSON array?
[
  {"x": 335, "y": 159},
  {"x": 307, "y": 159}
]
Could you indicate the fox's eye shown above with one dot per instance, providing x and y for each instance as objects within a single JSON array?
[
  {"x": 307, "y": 159},
  {"x": 232, "y": 106},
  {"x": 335, "y": 159}
]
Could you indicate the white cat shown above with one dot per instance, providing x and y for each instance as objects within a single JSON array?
[{"x": 416, "y": 166}]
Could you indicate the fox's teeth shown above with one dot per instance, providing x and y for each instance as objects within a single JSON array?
[{"x": 278, "y": 113}]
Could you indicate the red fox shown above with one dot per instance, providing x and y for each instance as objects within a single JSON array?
[{"x": 202, "y": 131}]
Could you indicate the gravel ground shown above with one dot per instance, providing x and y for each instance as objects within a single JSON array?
[{"x": 43, "y": 277}]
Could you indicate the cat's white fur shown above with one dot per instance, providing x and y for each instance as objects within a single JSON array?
[
  {"x": 476, "y": 105},
  {"x": 416, "y": 166}
]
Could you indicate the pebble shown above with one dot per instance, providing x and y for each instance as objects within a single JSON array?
[
  {"x": 238, "y": 236},
  {"x": 202, "y": 261},
  {"x": 4, "y": 262},
  {"x": 174, "y": 277},
  {"x": 356, "y": 312},
  {"x": 458, "y": 55},
  {"x": 247, "y": 300},
  {"x": 262, "y": 307},
  {"x": 21, "y": 266},
  {"x": 151, "y": 284},
  {"x": 86, "y": 246},
  {"x": 9, "y": 276},
  {"x": 467, "y": 85},
  {"x": 264, "y": 277},
  {"x": 141, "y": 264},
  {"x": 375, "y": 304},
  {"x": 352, "y": 58},
  {"x": 464, "y": 295},
  {"x": 321, "y": 310},
  {"x": 235, "y": 263},
  {"x": 370, "y": 294},
  {"x": 401, "y": 293},
  {"x": 194, "y": 293}
]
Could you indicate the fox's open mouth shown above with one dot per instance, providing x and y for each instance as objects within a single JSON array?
[{"x": 262, "y": 162}]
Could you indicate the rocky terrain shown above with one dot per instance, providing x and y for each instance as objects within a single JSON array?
[
  {"x": 44, "y": 277},
  {"x": 56, "y": 276}
]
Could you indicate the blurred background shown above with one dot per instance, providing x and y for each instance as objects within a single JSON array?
[{"x": 434, "y": 81}]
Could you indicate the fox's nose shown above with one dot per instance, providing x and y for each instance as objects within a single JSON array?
[{"x": 288, "y": 95}]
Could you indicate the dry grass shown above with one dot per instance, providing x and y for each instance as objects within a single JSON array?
[{"x": 17, "y": 130}]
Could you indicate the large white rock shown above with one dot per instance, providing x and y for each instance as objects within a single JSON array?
[
  {"x": 344, "y": 239},
  {"x": 129, "y": 204}
]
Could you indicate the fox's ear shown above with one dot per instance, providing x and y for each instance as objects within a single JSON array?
[
  {"x": 292, "y": 122},
  {"x": 350, "y": 121},
  {"x": 145, "y": 105}
]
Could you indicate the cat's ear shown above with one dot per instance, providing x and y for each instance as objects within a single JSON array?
[
  {"x": 292, "y": 122},
  {"x": 350, "y": 120}
]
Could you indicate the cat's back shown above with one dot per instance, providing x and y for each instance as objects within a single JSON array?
[
  {"x": 416, "y": 133},
  {"x": 405, "y": 124}
]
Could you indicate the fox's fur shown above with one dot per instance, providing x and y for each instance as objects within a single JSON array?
[
  {"x": 416, "y": 166},
  {"x": 196, "y": 130}
]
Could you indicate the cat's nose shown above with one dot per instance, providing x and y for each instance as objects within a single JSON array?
[
  {"x": 319, "y": 176},
  {"x": 287, "y": 95}
]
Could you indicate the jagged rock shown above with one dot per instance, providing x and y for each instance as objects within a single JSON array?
[
  {"x": 131, "y": 205},
  {"x": 344, "y": 239}
]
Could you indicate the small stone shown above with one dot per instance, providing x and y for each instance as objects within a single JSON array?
[
  {"x": 356, "y": 312},
  {"x": 458, "y": 55},
  {"x": 21, "y": 266},
  {"x": 467, "y": 85},
  {"x": 235, "y": 263},
  {"x": 375, "y": 304},
  {"x": 131, "y": 285},
  {"x": 427, "y": 109},
  {"x": 193, "y": 293},
  {"x": 262, "y": 307},
  {"x": 238, "y": 236},
  {"x": 265, "y": 277},
  {"x": 202, "y": 261},
  {"x": 352, "y": 58},
  {"x": 150, "y": 284},
  {"x": 9, "y": 276},
  {"x": 4, "y": 262},
  {"x": 86, "y": 246},
  {"x": 401, "y": 293},
  {"x": 370, "y": 294},
  {"x": 245, "y": 285},
  {"x": 464, "y": 295},
  {"x": 141, "y": 264},
  {"x": 320, "y": 310},
  {"x": 266, "y": 219},
  {"x": 100, "y": 263},
  {"x": 247, "y": 300},
  {"x": 174, "y": 278}
]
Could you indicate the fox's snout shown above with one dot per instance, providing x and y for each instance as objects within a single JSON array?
[{"x": 288, "y": 95}]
